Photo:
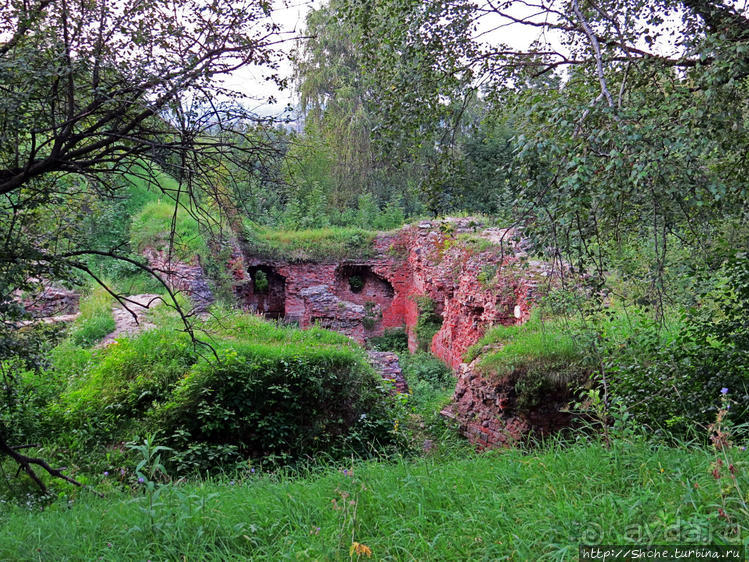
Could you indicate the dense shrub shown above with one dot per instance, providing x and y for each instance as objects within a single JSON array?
[
  {"x": 260, "y": 390},
  {"x": 428, "y": 323},
  {"x": 673, "y": 380},
  {"x": 393, "y": 339},
  {"x": 430, "y": 382},
  {"x": 426, "y": 367},
  {"x": 26, "y": 392},
  {"x": 123, "y": 381},
  {"x": 261, "y": 399}
]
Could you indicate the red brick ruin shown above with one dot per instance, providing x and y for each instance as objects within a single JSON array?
[{"x": 474, "y": 276}]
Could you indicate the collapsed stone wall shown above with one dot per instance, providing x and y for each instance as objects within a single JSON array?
[
  {"x": 487, "y": 411},
  {"x": 182, "y": 277},
  {"x": 49, "y": 301}
]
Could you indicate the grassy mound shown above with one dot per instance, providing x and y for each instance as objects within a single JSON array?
[
  {"x": 152, "y": 226},
  {"x": 258, "y": 389},
  {"x": 539, "y": 358}
]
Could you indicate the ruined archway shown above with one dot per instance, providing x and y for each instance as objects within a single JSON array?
[
  {"x": 359, "y": 284},
  {"x": 265, "y": 292}
]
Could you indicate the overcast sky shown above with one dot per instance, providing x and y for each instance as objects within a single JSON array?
[
  {"x": 290, "y": 15},
  {"x": 251, "y": 80}
]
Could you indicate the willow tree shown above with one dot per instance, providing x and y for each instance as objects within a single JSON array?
[{"x": 365, "y": 120}]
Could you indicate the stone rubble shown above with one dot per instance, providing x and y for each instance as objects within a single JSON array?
[
  {"x": 387, "y": 364},
  {"x": 487, "y": 414}
]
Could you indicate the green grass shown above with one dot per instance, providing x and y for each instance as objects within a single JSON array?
[
  {"x": 509, "y": 505},
  {"x": 152, "y": 227},
  {"x": 256, "y": 389},
  {"x": 95, "y": 320},
  {"x": 504, "y": 348},
  {"x": 320, "y": 244}
]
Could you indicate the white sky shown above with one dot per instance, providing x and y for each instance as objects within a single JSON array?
[{"x": 290, "y": 16}]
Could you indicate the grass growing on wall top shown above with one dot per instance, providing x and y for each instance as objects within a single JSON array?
[
  {"x": 319, "y": 244},
  {"x": 550, "y": 339}
]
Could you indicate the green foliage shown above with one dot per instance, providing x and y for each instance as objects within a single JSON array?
[
  {"x": 290, "y": 400},
  {"x": 270, "y": 390},
  {"x": 478, "y": 244},
  {"x": 260, "y": 281},
  {"x": 95, "y": 320},
  {"x": 355, "y": 283},
  {"x": 426, "y": 367},
  {"x": 487, "y": 275},
  {"x": 372, "y": 315},
  {"x": 393, "y": 339},
  {"x": 670, "y": 380},
  {"x": 322, "y": 244},
  {"x": 428, "y": 323},
  {"x": 149, "y": 471},
  {"x": 26, "y": 393},
  {"x": 124, "y": 381}
]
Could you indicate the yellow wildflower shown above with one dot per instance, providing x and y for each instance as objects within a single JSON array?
[{"x": 359, "y": 548}]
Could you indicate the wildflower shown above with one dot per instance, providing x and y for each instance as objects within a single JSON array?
[
  {"x": 106, "y": 473},
  {"x": 359, "y": 548},
  {"x": 724, "y": 390},
  {"x": 231, "y": 483},
  {"x": 122, "y": 472},
  {"x": 141, "y": 479},
  {"x": 252, "y": 470}
]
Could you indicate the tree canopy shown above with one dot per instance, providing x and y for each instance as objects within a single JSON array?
[{"x": 627, "y": 119}]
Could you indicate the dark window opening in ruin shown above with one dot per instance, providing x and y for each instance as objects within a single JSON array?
[
  {"x": 355, "y": 283},
  {"x": 267, "y": 294},
  {"x": 260, "y": 282},
  {"x": 359, "y": 284}
]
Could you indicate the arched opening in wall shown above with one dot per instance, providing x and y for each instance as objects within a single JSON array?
[
  {"x": 266, "y": 292},
  {"x": 361, "y": 285}
]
